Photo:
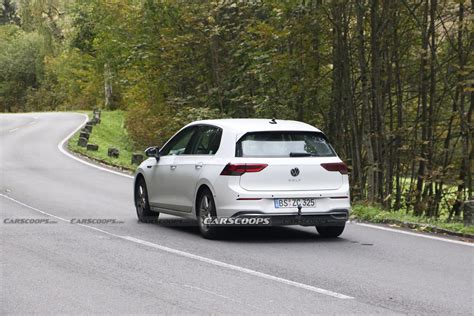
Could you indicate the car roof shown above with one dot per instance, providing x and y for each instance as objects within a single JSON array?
[{"x": 257, "y": 125}]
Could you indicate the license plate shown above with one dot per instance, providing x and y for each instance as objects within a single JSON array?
[{"x": 293, "y": 203}]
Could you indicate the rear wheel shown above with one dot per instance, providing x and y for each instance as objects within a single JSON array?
[
  {"x": 330, "y": 231},
  {"x": 144, "y": 213},
  {"x": 206, "y": 210}
]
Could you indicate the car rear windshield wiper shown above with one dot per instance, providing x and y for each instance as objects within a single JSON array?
[{"x": 294, "y": 154}]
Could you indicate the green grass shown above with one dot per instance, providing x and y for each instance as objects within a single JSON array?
[
  {"x": 110, "y": 132},
  {"x": 377, "y": 215}
]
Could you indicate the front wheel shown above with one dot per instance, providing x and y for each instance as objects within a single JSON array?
[
  {"x": 206, "y": 210},
  {"x": 144, "y": 213},
  {"x": 330, "y": 231}
]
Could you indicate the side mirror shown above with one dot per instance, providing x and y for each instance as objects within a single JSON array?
[{"x": 153, "y": 152}]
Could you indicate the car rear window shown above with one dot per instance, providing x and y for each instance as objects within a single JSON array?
[{"x": 284, "y": 144}]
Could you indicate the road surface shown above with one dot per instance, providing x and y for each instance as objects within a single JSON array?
[{"x": 150, "y": 268}]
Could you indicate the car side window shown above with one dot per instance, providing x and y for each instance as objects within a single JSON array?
[
  {"x": 208, "y": 139},
  {"x": 178, "y": 144}
]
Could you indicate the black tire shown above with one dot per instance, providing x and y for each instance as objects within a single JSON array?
[
  {"x": 330, "y": 231},
  {"x": 144, "y": 213},
  {"x": 206, "y": 207}
]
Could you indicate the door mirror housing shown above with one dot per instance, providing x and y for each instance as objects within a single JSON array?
[{"x": 153, "y": 152}]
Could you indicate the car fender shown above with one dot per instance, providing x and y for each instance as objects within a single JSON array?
[
  {"x": 206, "y": 182},
  {"x": 144, "y": 171}
]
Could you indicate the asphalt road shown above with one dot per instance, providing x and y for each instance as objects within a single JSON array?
[{"x": 149, "y": 268}]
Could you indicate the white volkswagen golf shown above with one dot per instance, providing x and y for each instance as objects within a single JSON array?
[{"x": 285, "y": 172}]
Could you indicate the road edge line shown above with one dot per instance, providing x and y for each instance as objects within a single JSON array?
[{"x": 459, "y": 242}]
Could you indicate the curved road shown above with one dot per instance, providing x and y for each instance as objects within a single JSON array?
[{"x": 149, "y": 268}]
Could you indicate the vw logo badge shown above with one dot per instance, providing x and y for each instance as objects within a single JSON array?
[{"x": 295, "y": 172}]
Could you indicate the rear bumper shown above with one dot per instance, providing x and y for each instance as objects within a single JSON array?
[
  {"x": 336, "y": 217},
  {"x": 231, "y": 200}
]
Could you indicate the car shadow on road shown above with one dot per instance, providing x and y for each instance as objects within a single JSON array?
[{"x": 253, "y": 234}]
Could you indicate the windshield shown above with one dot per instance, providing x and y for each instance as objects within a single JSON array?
[{"x": 283, "y": 144}]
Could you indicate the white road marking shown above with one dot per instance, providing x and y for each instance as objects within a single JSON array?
[
  {"x": 15, "y": 129},
  {"x": 239, "y": 269},
  {"x": 64, "y": 151},
  {"x": 33, "y": 208},
  {"x": 196, "y": 257},
  {"x": 61, "y": 148},
  {"x": 121, "y": 237},
  {"x": 417, "y": 234}
]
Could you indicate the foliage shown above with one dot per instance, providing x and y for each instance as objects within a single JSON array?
[
  {"x": 147, "y": 128},
  {"x": 390, "y": 82},
  {"x": 21, "y": 66}
]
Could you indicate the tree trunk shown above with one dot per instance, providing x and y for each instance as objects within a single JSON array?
[
  {"x": 465, "y": 133},
  {"x": 430, "y": 211},
  {"x": 377, "y": 130},
  {"x": 366, "y": 138},
  {"x": 108, "y": 91},
  {"x": 419, "y": 207}
]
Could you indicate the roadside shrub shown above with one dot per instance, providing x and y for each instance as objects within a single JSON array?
[{"x": 153, "y": 126}]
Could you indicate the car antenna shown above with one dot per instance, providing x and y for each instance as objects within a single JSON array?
[{"x": 273, "y": 121}]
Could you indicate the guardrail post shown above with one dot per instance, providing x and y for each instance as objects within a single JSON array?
[
  {"x": 84, "y": 134},
  {"x": 88, "y": 127},
  {"x": 82, "y": 142},
  {"x": 113, "y": 152},
  {"x": 92, "y": 147}
]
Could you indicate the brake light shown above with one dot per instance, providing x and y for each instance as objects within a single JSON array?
[
  {"x": 240, "y": 169},
  {"x": 335, "y": 166}
]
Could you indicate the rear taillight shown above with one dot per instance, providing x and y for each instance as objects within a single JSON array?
[
  {"x": 240, "y": 169},
  {"x": 335, "y": 166}
]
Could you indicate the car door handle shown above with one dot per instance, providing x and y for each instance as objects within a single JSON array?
[
  {"x": 172, "y": 167},
  {"x": 198, "y": 165}
]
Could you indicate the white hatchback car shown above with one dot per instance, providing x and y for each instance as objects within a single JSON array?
[{"x": 285, "y": 172}]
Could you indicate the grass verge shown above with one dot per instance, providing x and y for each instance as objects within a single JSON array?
[
  {"x": 400, "y": 218},
  {"x": 110, "y": 132}
]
